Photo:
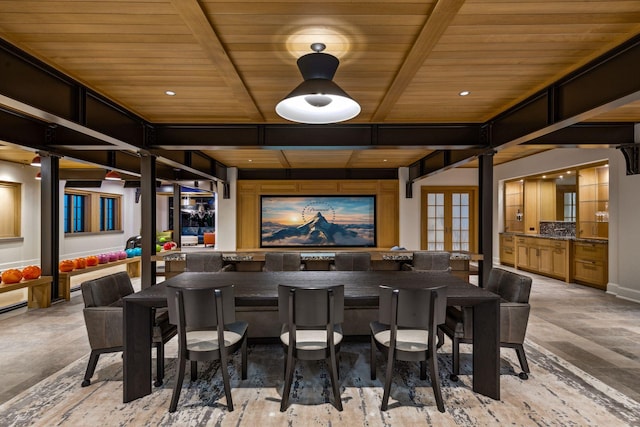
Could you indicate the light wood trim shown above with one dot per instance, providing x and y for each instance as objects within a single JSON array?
[
  {"x": 248, "y": 208},
  {"x": 473, "y": 209},
  {"x": 444, "y": 12},
  {"x": 10, "y": 199},
  {"x": 197, "y": 21}
]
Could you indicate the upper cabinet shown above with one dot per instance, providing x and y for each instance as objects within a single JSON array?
[
  {"x": 593, "y": 202},
  {"x": 577, "y": 197},
  {"x": 514, "y": 206}
]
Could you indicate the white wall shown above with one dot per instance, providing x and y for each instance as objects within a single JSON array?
[
  {"x": 26, "y": 252},
  {"x": 226, "y": 214},
  {"x": 93, "y": 244}
]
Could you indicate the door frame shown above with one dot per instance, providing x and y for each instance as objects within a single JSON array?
[{"x": 473, "y": 212}]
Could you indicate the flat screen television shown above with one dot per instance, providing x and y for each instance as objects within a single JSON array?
[{"x": 318, "y": 221}]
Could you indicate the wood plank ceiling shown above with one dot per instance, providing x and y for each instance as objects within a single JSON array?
[{"x": 404, "y": 61}]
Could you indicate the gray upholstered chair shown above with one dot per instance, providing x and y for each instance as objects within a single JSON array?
[
  {"x": 406, "y": 329},
  {"x": 429, "y": 261},
  {"x": 282, "y": 261},
  {"x": 311, "y": 330},
  {"x": 205, "y": 318},
  {"x": 206, "y": 261},
  {"x": 514, "y": 290},
  {"x": 103, "y": 316},
  {"x": 351, "y": 261}
]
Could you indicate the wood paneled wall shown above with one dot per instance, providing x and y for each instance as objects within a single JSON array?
[{"x": 248, "y": 208}]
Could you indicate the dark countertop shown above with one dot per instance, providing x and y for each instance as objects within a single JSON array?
[{"x": 551, "y": 237}]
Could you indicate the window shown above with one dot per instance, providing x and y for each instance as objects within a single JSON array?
[
  {"x": 107, "y": 213},
  {"x": 75, "y": 213},
  {"x": 10, "y": 202},
  {"x": 91, "y": 212}
]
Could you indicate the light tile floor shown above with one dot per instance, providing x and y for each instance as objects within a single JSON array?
[{"x": 596, "y": 332}]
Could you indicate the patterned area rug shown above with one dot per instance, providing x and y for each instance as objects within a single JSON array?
[{"x": 556, "y": 394}]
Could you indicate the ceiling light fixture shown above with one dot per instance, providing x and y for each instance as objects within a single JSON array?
[
  {"x": 318, "y": 100},
  {"x": 38, "y": 176},
  {"x": 170, "y": 93},
  {"x": 113, "y": 176},
  {"x": 36, "y": 161},
  {"x": 464, "y": 93}
]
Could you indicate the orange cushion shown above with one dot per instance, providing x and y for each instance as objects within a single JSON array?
[{"x": 209, "y": 238}]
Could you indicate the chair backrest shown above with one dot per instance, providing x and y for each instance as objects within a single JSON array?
[
  {"x": 311, "y": 306},
  {"x": 431, "y": 260},
  {"x": 204, "y": 261},
  {"x": 415, "y": 307},
  {"x": 107, "y": 290},
  {"x": 512, "y": 287},
  {"x": 282, "y": 261},
  {"x": 352, "y": 261},
  {"x": 200, "y": 306}
]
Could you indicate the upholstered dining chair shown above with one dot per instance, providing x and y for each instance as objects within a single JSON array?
[
  {"x": 351, "y": 261},
  {"x": 103, "y": 316},
  {"x": 282, "y": 261},
  {"x": 429, "y": 261},
  {"x": 406, "y": 330},
  {"x": 514, "y": 290},
  {"x": 207, "y": 330},
  {"x": 210, "y": 262},
  {"x": 311, "y": 330}
]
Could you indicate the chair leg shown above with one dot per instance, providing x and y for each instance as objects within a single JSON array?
[
  {"x": 194, "y": 370},
  {"x": 456, "y": 359},
  {"x": 440, "y": 338},
  {"x": 244, "y": 359},
  {"x": 91, "y": 367},
  {"x": 159, "y": 364},
  {"x": 373, "y": 359},
  {"x": 423, "y": 370},
  {"x": 288, "y": 378},
  {"x": 435, "y": 379},
  {"x": 334, "y": 378},
  {"x": 225, "y": 379},
  {"x": 522, "y": 357},
  {"x": 182, "y": 363},
  {"x": 387, "y": 381}
]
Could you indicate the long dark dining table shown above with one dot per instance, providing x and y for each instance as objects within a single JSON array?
[{"x": 255, "y": 290}]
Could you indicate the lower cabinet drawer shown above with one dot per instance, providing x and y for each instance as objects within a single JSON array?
[{"x": 590, "y": 272}]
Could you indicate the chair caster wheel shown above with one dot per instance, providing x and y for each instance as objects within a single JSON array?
[
  {"x": 85, "y": 383},
  {"x": 454, "y": 377},
  {"x": 157, "y": 383},
  {"x": 523, "y": 376}
]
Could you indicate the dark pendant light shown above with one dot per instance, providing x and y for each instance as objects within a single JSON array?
[{"x": 318, "y": 100}]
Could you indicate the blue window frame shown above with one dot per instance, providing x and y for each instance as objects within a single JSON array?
[{"x": 107, "y": 213}]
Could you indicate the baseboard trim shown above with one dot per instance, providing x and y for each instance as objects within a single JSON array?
[{"x": 623, "y": 293}]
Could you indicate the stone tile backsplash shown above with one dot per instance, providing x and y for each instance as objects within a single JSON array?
[{"x": 558, "y": 228}]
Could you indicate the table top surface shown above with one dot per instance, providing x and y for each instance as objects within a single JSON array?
[{"x": 361, "y": 287}]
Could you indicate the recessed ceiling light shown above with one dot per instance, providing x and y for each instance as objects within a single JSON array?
[
  {"x": 384, "y": 160},
  {"x": 250, "y": 160},
  {"x": 464, "y": 93},
  {"x": 170, "y": 93}
]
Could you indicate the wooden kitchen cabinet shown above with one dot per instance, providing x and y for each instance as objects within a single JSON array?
[
  {"x": 591, "y": 263},
  {"x": 507, "y": 249}
]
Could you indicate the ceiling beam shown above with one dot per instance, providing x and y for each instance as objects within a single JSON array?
[
  {"x": 196, "y": 19},
  {"x": 443, "y": 13}
]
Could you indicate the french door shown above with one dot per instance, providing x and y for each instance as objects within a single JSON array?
[{"x": 449, "y": 219}]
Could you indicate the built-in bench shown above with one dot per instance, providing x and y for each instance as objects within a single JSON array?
[
  {"x": 39, "y": 293},
  {"x": 64, "y": 281}
]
